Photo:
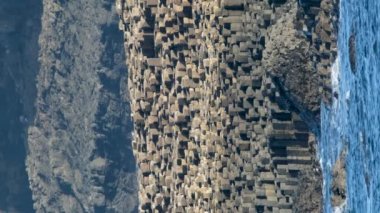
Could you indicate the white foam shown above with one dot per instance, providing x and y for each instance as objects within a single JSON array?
[
  {"x": 347, "y": 96},
  {"x": 335, "y": 75},
  {"x": 341, "y": 208}
]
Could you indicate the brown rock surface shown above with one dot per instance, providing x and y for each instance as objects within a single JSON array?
[
  {"x": 309, "y": 192},
  {"x": 287, "y": 59},
  {"x": 339, "y": 179},
  {"x": 210, "y": 85},
  {"x": 298, "y": 56}
]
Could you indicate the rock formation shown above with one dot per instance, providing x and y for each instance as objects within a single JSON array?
[
  {"x": 352, "y": 51},
  {"x": 224, "y": 97},
  {"x": 307, "y": 197},
  {"x": 299, "y": 54},
  {"x": 79, "y": 158},
  {"x": 339, "y": 180},
  {"x": 216, "y": 125}
]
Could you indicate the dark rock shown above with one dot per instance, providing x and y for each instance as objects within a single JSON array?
[
  {"x": 287, "y": 59},
  {"x": 309, "y": 193},
  {"x": 352, "y": 52}
]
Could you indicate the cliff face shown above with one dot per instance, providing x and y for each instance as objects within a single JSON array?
[
  {"x": 224, "y": 97},
  {"x": 19, "y": 33},
  {"x": 287, "y": 60},
  {"x": 220, "y": 93},
  {"x": 79, "y": 157},
  {"x": 300, "y": 50}
]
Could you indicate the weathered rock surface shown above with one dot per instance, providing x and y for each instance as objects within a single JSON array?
[
  {"x": 287, "y": 59},
  {"x": 300, "y": 50},
  {"x": 224, "y": 95},
  {"x": 79, "y": 157},
  {"x": 308, "y": 194},
  {"x": 339, "y": 180},
  {"x": 324, "y": 41},
  {"x": 216, "y": 127}
]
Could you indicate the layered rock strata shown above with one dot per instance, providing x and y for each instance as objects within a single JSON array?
[{"x": 214, "y": 127}]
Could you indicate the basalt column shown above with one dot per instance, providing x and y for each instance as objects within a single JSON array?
[{"x": 212, "y": 130}]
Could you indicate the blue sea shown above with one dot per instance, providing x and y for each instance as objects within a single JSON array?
[{"x": 353, "y": 120}]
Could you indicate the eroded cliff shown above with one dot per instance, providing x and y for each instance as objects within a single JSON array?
[{"x": 79, "y": 157}]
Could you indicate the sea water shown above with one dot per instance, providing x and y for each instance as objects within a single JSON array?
[{"x": 353, "y": 119}]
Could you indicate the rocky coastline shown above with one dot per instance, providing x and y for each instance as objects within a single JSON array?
[
  {"x": 225, "y": 98},
  {"x": 165, "y": 106}
]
